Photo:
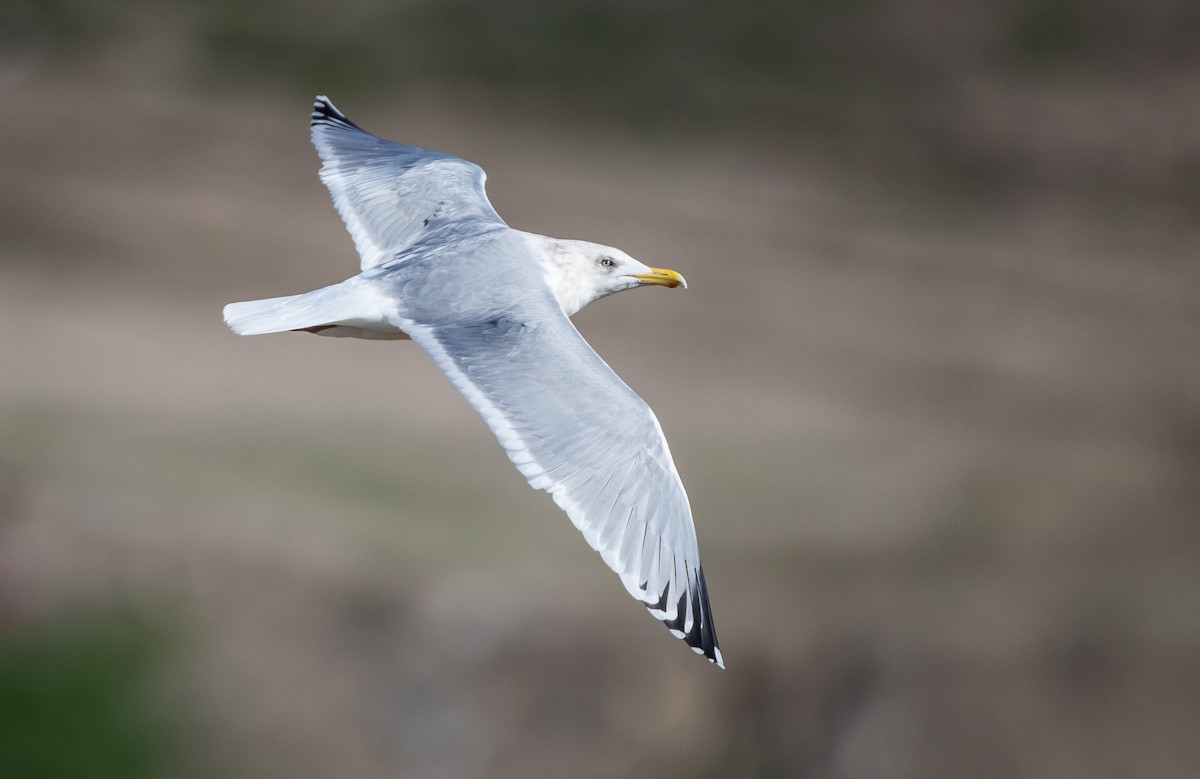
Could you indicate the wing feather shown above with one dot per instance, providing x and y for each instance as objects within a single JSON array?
[
  {"x": 389, "y": 194},
  {"x": 575, "y": 430}
]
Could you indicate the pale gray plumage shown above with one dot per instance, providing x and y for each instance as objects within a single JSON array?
[
  {"x": 388, "y": 193},
  {"x": 491, "y": 305}
]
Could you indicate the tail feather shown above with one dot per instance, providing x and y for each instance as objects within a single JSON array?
[
  {"x": 276, "y": 315},
  {"x": 345, "y": 310}
]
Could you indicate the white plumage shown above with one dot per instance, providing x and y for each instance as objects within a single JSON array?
[{"x": 491, "y": 306}]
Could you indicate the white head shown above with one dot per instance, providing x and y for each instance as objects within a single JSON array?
[{"x": 580, "y": 272}]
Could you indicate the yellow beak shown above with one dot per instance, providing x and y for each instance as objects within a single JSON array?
[{"x": 663, "y": 277}]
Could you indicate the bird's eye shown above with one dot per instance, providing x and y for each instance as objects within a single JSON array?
[{"x": 607, "y": 262}]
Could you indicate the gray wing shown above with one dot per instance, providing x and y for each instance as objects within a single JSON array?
[
  {"x": 389, "y": 194},
  {"x": 575, "y": 430}
]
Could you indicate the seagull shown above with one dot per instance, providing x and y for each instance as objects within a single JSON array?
[{"x": 492, "y": 305}]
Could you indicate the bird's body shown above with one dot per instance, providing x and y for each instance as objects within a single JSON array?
[{"x": 491, "y": 305}]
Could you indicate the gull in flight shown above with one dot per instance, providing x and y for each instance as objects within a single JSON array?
[{"x": 492, "y": 306}]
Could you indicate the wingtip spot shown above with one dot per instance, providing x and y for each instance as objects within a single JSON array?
[{"x": 326, "y": 113}]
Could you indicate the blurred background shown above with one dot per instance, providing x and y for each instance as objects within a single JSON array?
[{"x": 934, "y": 390}]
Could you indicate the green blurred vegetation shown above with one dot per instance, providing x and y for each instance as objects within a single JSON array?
[
  {"x": 661, "y": 61},
  {"x": 73, "y": 700}
]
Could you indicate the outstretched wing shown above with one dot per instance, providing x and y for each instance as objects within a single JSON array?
[
  {"x": 389, "y": 193},
  {"x": 575, "y": 430}
]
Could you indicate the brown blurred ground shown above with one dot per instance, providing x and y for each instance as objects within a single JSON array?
[{"x": 940, "y": 427}]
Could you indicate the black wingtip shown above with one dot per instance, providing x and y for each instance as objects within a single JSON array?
[
  {"x": 702, "y": 638},
  {"x": 708, "y": 636},
  {"x": 326, "y": 113}
]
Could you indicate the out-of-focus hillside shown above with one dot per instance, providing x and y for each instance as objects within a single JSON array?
[
  {"x": 934, "y": 391},
  {"x": 1049, "y": 92}
]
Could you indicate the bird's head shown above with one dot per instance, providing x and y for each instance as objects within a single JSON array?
[{"x": 580, "y": 272}]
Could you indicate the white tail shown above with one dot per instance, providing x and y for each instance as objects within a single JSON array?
[{"x": 338, "y": 310}]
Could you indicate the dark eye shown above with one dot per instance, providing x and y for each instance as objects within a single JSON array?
[{"x": 607, "y": 262}]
